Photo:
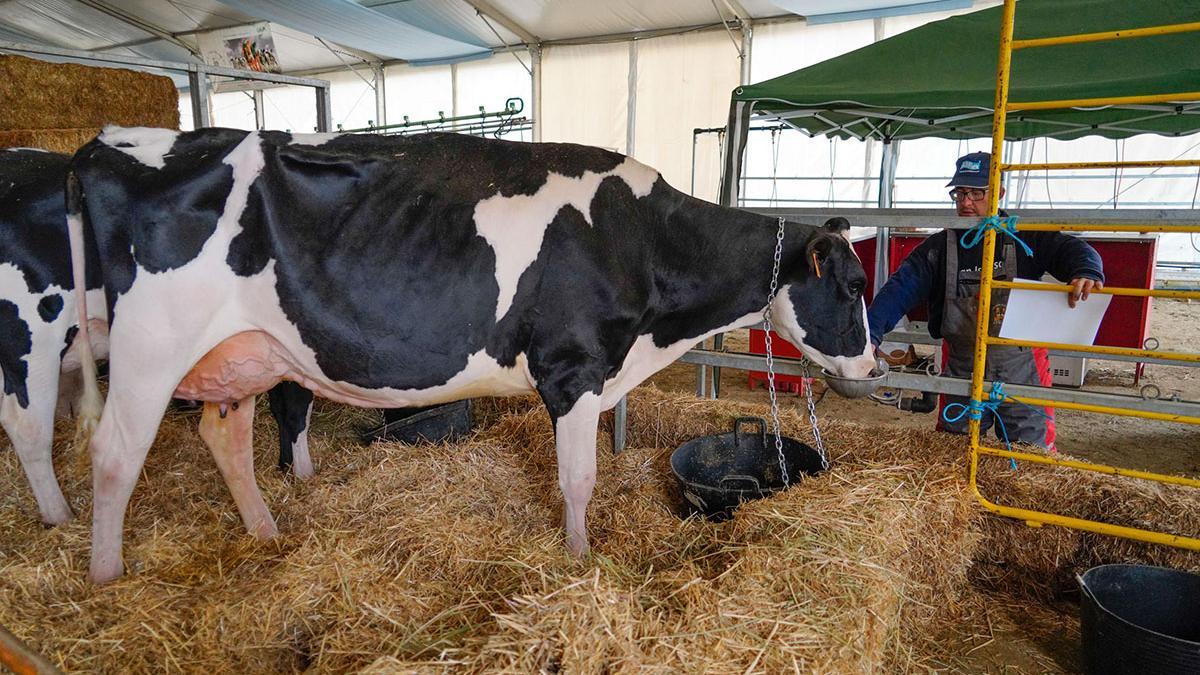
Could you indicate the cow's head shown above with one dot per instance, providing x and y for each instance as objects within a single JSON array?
[{"x": 819, "y": 307}]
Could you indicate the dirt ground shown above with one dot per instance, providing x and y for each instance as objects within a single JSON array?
[{"x": 1120, "y": 441}]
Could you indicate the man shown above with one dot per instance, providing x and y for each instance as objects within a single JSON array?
[{"x": 945, "y": 274}]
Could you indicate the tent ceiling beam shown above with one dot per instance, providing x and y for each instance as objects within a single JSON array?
[
  {"x": 128, "y": 19},
  {"x": 487, "y": 9}
]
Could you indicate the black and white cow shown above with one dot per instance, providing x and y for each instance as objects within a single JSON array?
[
  {"x": 39, "y": 359},
  {"x": 406, "y": 271}
]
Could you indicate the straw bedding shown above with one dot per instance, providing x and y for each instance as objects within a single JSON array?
[{"x": 449, "y": 557}]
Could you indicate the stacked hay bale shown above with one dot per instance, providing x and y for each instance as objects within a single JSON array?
[{"x": 61, "y": 106}]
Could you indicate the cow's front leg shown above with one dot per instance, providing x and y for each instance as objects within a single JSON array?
[
  {"x": 228, "y": 429},
  {"x": 575, "y": 438},
  {"x": 291, "y": 406}
]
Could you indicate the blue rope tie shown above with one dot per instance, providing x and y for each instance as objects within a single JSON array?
[
  {"x": 1004, "y": 225},
  {"x": 973, "y": 409}
]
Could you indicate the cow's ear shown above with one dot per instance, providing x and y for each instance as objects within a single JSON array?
[
  {"x": 818, "y": 250},
  {"x": 837, "y": 225}
]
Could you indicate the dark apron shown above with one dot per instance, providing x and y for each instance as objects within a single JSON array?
[{"x": 1011, "y": 365}]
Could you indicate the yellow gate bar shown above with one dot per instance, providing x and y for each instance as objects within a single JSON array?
[
  {"x": 1097, "y": 349},
  {"x": 1110, "y": 35},
  {"x": 1133, "y": 164},
  {"x": 1088, "y": 466},
  {"x": 1103, "y": 227},
  {"x": 1121, "y": 412},
  {"x": 1137, "y": 534},
  {"x": 1107, "y": 290},
  {"x": 1099, "y": 102}
]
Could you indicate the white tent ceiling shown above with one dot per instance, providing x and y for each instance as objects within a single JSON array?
[{"x": 168, "y": 29}]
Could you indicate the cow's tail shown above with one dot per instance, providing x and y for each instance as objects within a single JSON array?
[{"x": 90, "y": 402}]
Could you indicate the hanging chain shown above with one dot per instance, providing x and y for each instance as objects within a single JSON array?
[
  {"x": 812, "y": 417},
  {"x": 770, "y": 357}
]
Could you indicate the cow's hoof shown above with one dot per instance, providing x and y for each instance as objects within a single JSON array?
[
  {"x": 56, "y": 518},
  {"x": 264, "y": 530},
  {"x": 303, "y": 472},
  {"x": 104, "y": 572}
]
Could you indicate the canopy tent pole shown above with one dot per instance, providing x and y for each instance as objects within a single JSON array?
[
  {"x": 535, "y": 59},
  {"x": 887, "y": 184},
  {"x": 380, "y": 95}
]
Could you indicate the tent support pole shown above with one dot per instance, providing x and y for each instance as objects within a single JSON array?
[
  {"x": 535, "y": 62},
  {"x": 380, "y": 95},
  {"x": 887, "y": 183}
]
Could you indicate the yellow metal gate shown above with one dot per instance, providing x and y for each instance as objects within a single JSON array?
[{"x": 982, "y": 340}]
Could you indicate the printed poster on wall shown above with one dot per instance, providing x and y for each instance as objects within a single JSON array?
[{"x": 242, "y": 47}]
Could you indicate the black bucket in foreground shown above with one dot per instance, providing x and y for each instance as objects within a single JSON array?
[
  {"x": 1140, "y": 619},
  {"x": 716, "y": 473},
  {"x": 435, "y": 424}
]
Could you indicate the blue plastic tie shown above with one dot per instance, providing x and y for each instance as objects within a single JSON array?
[
  {"x": 1003, "y": 224},
  {"x": 973, "y": 409}
]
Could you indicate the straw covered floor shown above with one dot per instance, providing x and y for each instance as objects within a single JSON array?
[{"x": 449, "y": 557}]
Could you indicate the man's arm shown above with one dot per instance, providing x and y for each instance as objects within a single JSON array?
[
  {"x": 1071, "y": 260},
  {"x": 905, "y": 289}
]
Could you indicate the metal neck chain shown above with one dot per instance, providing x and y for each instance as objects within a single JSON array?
[
  {"x": 812, "y": 410},
  {"x": 771, "y": 358},
  {"x": 812, "y": 417}
]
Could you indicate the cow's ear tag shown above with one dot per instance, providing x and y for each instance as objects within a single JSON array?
[{"x": 816, "y": 264}]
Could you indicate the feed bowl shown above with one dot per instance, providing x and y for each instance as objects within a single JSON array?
[{"x": 855, "y": 387}]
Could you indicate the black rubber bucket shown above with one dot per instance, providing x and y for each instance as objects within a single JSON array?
[
  {"x": 412, "y": 425},
  {"x": 719, "y": 472},
  {"x": 1140, "y": 619}
]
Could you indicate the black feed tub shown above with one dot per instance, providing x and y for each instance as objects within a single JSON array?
[
  {"x": 413, "y": 425},
  {"x": 1140, "y": 619},
  {"x": 719, "y": 472}
]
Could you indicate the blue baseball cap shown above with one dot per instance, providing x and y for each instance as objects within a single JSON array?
[{"x": 972, "y": 170}]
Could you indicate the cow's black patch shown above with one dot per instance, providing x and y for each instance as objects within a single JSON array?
[
  {"x": 154, "y": 218},
  {"x": 33, "y": 222},
  {"x": 68, "y": 341},
  {"x": 15, "y": 344},
  {"x": 49, "y": 307}
]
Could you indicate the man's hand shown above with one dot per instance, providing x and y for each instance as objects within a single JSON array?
[{"x": 1081, "y": 288}]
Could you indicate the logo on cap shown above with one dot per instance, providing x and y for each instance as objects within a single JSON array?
[{"x": 970, "y": 165}]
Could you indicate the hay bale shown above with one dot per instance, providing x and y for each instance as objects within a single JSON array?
[
  {"x": 61, "y": 106},
  {"x": 450, "y": 557},
  {"x": 66, "y": 141}
]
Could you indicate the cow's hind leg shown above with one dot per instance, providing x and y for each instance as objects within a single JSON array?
[
  {"x": 128, "y": 425},
  {"x": 229, "y": 434},
  {"x": 575, "y": 440},
  {"x": 31, "y": 431}
]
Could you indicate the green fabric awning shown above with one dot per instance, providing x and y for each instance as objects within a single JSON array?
[{"x": 939, "y": 80}]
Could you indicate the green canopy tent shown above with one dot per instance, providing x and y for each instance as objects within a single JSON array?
[{"x": 939, "y": 80}]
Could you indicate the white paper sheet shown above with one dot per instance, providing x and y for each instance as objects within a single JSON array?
[{"x": 1046, "y": 317}]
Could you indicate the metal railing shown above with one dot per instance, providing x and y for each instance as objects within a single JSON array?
[{"x": 982, "y": 337}]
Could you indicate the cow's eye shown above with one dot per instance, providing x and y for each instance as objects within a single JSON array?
[{"x": 857, "y": 287}]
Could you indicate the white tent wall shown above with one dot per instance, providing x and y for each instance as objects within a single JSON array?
[
  {"x": 683, "y": 82},
  {"x": 585, "y": 94},
  {"x": 233, "y": 109},
  {"x": 417, "y": 91}
]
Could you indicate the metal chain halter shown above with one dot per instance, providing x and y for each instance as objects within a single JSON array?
[
  {"x": 771, "y": 357},
  {"x": 812, "y": 411}
]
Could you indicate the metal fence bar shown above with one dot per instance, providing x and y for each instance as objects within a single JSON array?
[
  {"x": 1088, "y": 466},
  {"x": 1095, "y": 349},
  {"x": 1108, "y": 35},
  {"x": 1181, "y": 97},
  {"x": 1107, "y": 290},
  {"x": 1132, "y": 164}
]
